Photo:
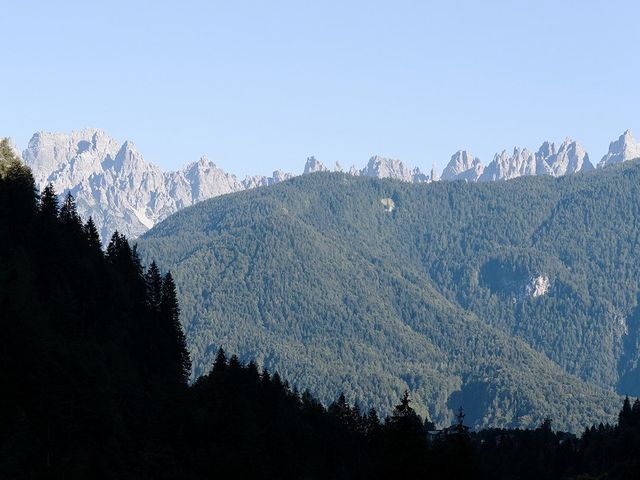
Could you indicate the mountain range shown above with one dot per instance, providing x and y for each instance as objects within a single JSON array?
[
  {"x": 120, "y": 190},
  {"x": 517, "y": 299}
]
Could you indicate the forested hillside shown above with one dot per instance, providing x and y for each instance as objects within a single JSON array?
[{"x": 516, "y": 299}]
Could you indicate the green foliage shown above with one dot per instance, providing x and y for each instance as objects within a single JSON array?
[{"x": 315, "y": 278}]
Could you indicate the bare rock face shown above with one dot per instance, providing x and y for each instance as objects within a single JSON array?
[
  {"x": 570, "y": 158},
  {"x": 255, "y": 181},
  {"x": 115, "y": 185},
  {"x": 312, "y": 165},
  {"x": 504, "y": 167},
  {"x": 434, "y": 177},
  {"x": 621, "y": 150},
  {"x": 463, "y": 166},
  {"x": 382, "y": 167},
  {"x": 537, "y": 286},
  {"x": 207, "y": 180}
]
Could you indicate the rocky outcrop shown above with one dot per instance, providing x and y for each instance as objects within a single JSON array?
[
  {"x": 434, "y": 177},
  {"x": 382, "y": 167},
  {"x": 504, "y": 167},
  {"x": 621, "y": 150},
  {"x": 312, "y": 165},
  {"x": 116, "y": 186},
  {"x": 537, "y": 286},
  {"x": 570, "y": 158},
  {"x": 463, "y": 166}
]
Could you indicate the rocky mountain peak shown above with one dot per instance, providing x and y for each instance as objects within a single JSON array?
[
  {"x": 434, "y": 177},
  {"x": 463, "y": 166},
  {"x": 546, "y": 150},
  {"x": 571, "y": 158},
  {"x": 621, "y": 150},
  {"x": 382, "y": 167},
  {"x": 312, "y": 165}
]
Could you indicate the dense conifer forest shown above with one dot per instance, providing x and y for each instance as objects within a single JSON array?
[
  {"x": 94, "y": 372},
  {"x": 501, "y": 296}
]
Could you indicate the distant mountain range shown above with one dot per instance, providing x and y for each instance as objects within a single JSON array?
[{"x": 114, "y": 184}]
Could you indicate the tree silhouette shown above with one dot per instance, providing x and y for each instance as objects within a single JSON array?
[
  {"x": 49, "y": 202},
  {"x": 153, "y": 281},
  {"x": 92, "y": 236},
  {"x": 170, "y": 314}
]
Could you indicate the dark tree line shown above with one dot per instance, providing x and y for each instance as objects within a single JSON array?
[{"x": 94, "y": 384}]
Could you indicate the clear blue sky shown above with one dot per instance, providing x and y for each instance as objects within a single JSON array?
[{"x": 261, "y": 85}]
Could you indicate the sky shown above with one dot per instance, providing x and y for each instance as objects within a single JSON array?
[{"x": 260, "y": 85}]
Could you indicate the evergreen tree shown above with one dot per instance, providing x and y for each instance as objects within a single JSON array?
[
  {"x": 625, "y": 418},
  {"x": 220, "y": 363},
  {"x": 17, "y": 192},
  {"x": 234, "y": 363},
  {"x": 341, "y": 409},
  {"x": 170, "y": 313},
  {"x": 153, "y": 281},
  {"x": 405, "y": 443},
  {"x": 373, "y": 422},
  {"x": 405, "y": 421},
  {"x": 49, "y": 202},
  {"x": 92, "y": 236},
  {"x": 69, "y": 211},
  {"x": 115, "y": 247}
]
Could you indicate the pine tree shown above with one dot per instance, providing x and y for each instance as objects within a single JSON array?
[
  {"x": 153, "y": 281},
  {"x": 252, "y": 371},
  {"x": 234, "y": 363},
  {"x": 626, "y": 415},
  {"x": 17, "y": 191},
  {"x": 404, "y": 410},
  {"x": 373, "y": 422},
  {"x": 91, "y": 235},
  {"x": 69, "y": 211},
  {"x": 340, "y": 407},
  {"x": 114, "y": 248},
  {"x": 49, "y": 202},
  {"x": 220, "y": 363},
  {"x": 170, "y": 314},
  {"x": 404, "y": 419},
  {"x": 265, "y": 377}
]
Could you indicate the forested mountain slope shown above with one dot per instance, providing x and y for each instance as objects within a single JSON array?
[{"x": 517, "y": 299}]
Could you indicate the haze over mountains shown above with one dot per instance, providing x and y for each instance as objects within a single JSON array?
[{"x": 113, "y": 183}]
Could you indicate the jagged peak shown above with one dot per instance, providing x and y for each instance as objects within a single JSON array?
[
  {"x": 621, "y": 150},
  {"x": 463, "y": 166},
  {"x": 313, "y": 165},
  {"x": 546, "y": 150},
  {"x": 434, "y": 177},
  {"x": 383, "y": 167}
]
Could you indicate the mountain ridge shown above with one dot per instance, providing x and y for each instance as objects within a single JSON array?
[{"x": 120, "y": 190}]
